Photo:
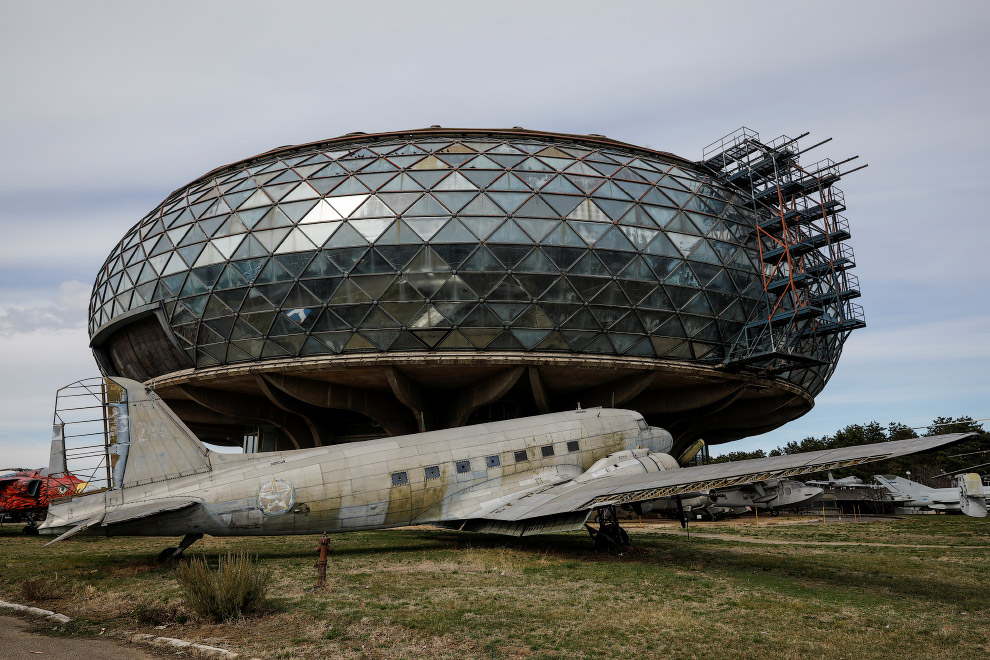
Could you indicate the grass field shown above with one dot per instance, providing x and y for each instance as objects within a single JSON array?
[{"x": 422, "y": 593}]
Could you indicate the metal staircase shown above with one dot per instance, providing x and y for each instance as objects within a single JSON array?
[{"x": 799, "y": 234}]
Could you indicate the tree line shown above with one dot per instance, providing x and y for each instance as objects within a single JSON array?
[{"x": 924, "y": 468}]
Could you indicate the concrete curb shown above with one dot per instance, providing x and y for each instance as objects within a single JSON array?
[
  {"x": 170, "y": 642},
  {"x": 183, "y": 645},
  {"x": 35, "y": 611}
]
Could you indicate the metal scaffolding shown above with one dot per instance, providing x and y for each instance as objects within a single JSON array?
[{"x": 798, "y": 230}]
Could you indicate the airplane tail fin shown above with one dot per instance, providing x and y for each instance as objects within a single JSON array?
[
  {"x": 972, "y": 495},
  {"x": 156, "y": 445},
  {"x": 901, "y": 486}
]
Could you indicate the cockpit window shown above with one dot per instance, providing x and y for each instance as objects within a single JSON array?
[{"x": 643, "y": 426}]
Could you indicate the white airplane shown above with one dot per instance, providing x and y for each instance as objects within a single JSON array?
[
  {"x": 968, "y": 496},
  {"x": 519, "y": 477}
]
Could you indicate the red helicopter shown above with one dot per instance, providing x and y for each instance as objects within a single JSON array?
[{"x": 25, "y": 494}]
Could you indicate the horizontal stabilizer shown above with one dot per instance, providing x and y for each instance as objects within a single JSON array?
[
  {"x": 137, "y": 510},
  {"x": 81, "y": 527}
]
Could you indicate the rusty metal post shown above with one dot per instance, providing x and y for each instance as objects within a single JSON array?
[{"x": 321, "y": 565}]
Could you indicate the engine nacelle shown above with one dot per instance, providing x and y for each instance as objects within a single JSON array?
[{"x": 630, "y": 461}]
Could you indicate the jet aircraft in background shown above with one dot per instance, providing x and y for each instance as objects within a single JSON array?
[
  {"x": 25, "y": 494},
  {"x": 519, "y": 477},
  {"x": 968, "y": 495}
]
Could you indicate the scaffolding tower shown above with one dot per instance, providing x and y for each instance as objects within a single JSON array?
[{"x": 806, "y": 310}]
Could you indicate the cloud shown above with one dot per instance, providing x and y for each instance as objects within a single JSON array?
[{"x": 65, "y": 309}]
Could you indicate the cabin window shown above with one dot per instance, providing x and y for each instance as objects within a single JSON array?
[
  {"x": 521, "y": 456},
  {"x": 463, "y": 466},
  {"x": 572, "y": 445},
  {"x": 492, "y": 462},
  {"x": 433, "y": 472},
  {"x": 643, "y": 426},
  {"x": 399, "y": 479},
  {"x": 546, "y": 450}
]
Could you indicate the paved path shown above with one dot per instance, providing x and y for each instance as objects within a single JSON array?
[{"x": 17, "y": 642}]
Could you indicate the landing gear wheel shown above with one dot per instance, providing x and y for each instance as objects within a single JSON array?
[
  {"x": 169, "y": 554},
  {"x": 30, "y": 530},
  {"x": 609, "y": 537},
  {"x": 774, "y": 513}
]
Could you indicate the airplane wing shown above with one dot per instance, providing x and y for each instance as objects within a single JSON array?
[{"x": 560, "y": 501}]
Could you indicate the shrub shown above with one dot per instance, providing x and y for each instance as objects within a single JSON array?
[{"x": 236, "y": 586}]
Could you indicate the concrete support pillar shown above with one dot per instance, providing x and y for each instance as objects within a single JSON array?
[
  {"x": 540, "y": 395},
  {"x": 412, "y": 397},
  {"x": 252, "y": 407},
  {"x": 615, "y": 393},
  {"x": 381, "y": 407},
  {"x": 308, "y": 414},
  {"x": 480, "y": 393}
]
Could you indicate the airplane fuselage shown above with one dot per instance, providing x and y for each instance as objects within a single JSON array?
[{"x": 434, "y": 477}]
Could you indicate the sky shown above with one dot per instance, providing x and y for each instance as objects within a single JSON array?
[{"x": 112, "y": 105}]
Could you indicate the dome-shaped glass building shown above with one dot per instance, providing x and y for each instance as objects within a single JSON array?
[{"x": 380, "y": 284}]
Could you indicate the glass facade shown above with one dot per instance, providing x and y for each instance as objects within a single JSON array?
[{"x": 433, "y": 243}]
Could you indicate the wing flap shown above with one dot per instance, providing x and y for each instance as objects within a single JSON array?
[{"x": 625, "y": 489}]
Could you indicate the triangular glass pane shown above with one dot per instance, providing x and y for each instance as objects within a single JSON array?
[
  {"x": 346, "y": 236},
  {"x": 455, "y": 181},
  {"x": 346, "y": 205},
  {"x": 402, "y": 183},
  {"x": 511, "y": 183},
  {"x": 273, "y": 272},
  {"x": 637, "y": 216},
  {"x": 482, "y": 260},
  {"x": 482, "y": 205},
  {"x": 430, "y": 163},
  {"x": 638, "y": 270},
  {"x": 563, "y": 235},
  {"x": 639, "y": 236},
  {"x": 588, "y": 211},
  {"x": 399, "y": 233},
  {"x": 562, "y": 204},
  {"x": 319, "y": 233},
  {"x": 481, "y": 178},
  {"x": 481, "y": 163},
  {"x": 373, "y": 208},
  {"x": 682, "y": 276},
  {"x": 537, "y": 228},
  {"x": 347, "y": 293},
  {"x": 614, "y": 240},
  {"x": 296, "y": 241},
  {"x": 453, "y": 201},
  {"x": 510, "y": 233},
  {"x": 320, "y": 267},
  {"x": 426, "y": 227},
  {"x": 426, "y": 206},
  {"x": 704, "y": 253},
  {"x": 258, "y": 198},
  {"x": 509, "y": 201},
  {"x": 684, "y": 242},
  {"x": 250, "y": 248},
  {"x": 271, "y": 238},
  {"x": 506, "y": 160},
  {"x": 454, "y": 232},
  {"x": 374, "y": 181},
  {"x": 370, "y": 228},
  {"x": 400, "y": 201},
  {"x": 208, "y": 256}
]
